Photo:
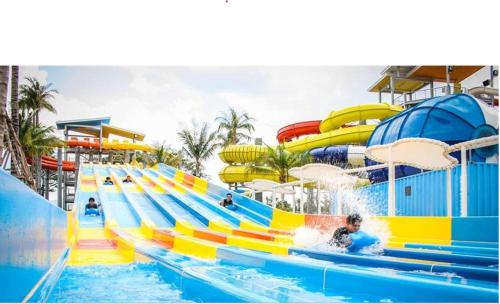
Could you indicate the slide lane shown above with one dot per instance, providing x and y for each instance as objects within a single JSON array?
[
  {"x": 113, "y": 200},
  {"x": 245, "y": 212},
  {"x": 188, "y": 188},
  {"x": 163, "y": 198},
  {"x": 217, "y": 217},
  {"x": 139, "y": 200}
]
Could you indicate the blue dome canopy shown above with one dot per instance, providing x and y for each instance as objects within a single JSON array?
[{"x": 451, "y": 119}]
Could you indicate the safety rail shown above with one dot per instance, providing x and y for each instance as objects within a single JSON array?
[{"x": 417, "y": 96}]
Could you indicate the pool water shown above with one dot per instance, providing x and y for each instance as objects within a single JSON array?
[{"x": 140, "y": 282}]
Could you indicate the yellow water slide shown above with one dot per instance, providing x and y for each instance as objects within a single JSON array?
[{"x": 334, "y": 131}]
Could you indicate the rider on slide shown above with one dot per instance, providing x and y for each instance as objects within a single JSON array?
[{"x": 341, "y": 236}]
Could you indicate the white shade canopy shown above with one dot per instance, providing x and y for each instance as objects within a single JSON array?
[
  {"x": 323, "y": 173},
  {"x": 422, "y": 153},
  {"x": 260, "y": 185}
]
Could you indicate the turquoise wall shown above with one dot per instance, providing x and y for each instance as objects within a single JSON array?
[{"x": 32, "y": 237}]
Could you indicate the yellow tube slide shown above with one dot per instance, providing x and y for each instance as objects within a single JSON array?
[
  {"x": 241, "y": 153},
  {"x": 337, "y": 119},
  {"x": 242, "y": 174},
  {"x": 342, "y": 136}
]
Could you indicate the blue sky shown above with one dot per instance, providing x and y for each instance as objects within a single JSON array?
[{"x": 159, "y": 101}]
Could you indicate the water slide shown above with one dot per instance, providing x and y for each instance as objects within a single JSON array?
[
  {"x": 337, "y": 139},
  {"x": 165, "y": 238}
]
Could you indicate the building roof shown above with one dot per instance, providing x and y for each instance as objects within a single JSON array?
[
  {"x": 97, "y": 127},
  {"x": 61, "y": 124},
  {"x": 408, "y": 78},
  {"x": 108, "y": 130}
]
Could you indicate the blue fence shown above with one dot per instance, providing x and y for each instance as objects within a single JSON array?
[
  {"x": 32, "y": 237},
  {"x": 425, "y": 194}
]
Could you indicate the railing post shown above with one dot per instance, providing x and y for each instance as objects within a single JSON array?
[
  {"x": 449, "y": 207},
  {"x": 391, "y": 200},
  {"x": 463, "y": 182},
  {"x": 301, "y": 195},
  {"x": 339, "y": 200},
  {"x": 317, "y": 198}
]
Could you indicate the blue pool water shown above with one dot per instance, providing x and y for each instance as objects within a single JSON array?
[{"x": 120, "y": 283}]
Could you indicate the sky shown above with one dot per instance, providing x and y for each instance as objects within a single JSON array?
[{"x": 160, "y": 101}]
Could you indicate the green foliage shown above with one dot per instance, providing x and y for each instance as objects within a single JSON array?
[
  {"x": 36, "y": 139},
  {"x": 284, "y": 205},
  {"x": 199, "y": 145},
  {"x": 282, "y": 161},
  {"x": 234, "y": 128},
  {"x": 35, "y": 97}
]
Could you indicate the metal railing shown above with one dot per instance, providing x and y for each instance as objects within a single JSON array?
[{"x": 417, "y": 96}]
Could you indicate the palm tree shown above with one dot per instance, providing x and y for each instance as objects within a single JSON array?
[
  {"x": 14, "y": 102},
  {"x": 235, "y": 128},
  {"x": 164, "y": 154},
  {"x": 36, "y": 140},
  {"x": 4, "y": 79},
  {"x": 199, "y": 145},
  {"x": 36, "y": 97},
  {"x": 281, "y": 160}
]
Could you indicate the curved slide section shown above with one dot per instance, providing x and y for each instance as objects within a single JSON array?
[
  {"x": 343, "y": 154},
  {"x": 337, "y": 119},
  {"x": 287, "y": 133}
]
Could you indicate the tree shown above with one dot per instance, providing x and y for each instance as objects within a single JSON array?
[
  {"x": 36, "y": 140},
  {"x": 234, "y": 128},
  {"x": 4, "y": 79},
  {"x": 199, "y": 145},
  {"x": 282, "y": 161},
  {"x": 36, "y": 97},
  {"x": 14, "y": 98}
]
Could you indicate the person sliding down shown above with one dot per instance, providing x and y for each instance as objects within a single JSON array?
[
  {"x": 128, "y": 179},
  {"x": 341, "y": 236},
  {"x": 91, "y": 208},
  {"x": 108, "y": 181},
  {"x": 228, "y": 202}
]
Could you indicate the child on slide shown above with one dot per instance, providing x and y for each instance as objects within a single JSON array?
[
  {"x": 228, "y": 202},
  {"x": 341, "y": 236}
]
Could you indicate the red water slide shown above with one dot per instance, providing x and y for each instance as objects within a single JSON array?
[
  {"x": 50, "y": 163},
  {"x": 298, "y": 129}
]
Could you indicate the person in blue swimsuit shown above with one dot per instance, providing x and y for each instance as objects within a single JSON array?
[{"x": 228, "y": 202}]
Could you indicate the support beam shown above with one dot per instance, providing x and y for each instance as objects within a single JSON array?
[
  {"x": 463, "y": 182},
  {"x": 392, "y": 89},
  {"x": 273, "y": 199},
  {"x": 317, "y": 197},
  {"x": 448, "y": 87},
  {"x": 59, "y": 178},
  {"x": 431, "y": 85},
  {"x": 46, "y": 184},
  {"x": 301, "y": 195}
]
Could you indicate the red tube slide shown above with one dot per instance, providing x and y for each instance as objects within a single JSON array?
[
  {"x": 298, "y": 129},
  {"x": 50, "y": 163}
]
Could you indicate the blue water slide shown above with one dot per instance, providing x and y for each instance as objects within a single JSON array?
[
  {"x": 451, "y": 119},
  {"x": 248, "y": 208}
]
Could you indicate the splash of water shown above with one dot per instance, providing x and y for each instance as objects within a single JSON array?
[{"x": 342, "y": 187}]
